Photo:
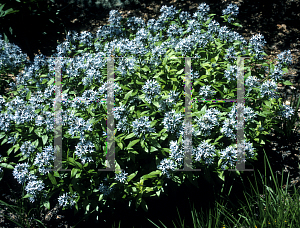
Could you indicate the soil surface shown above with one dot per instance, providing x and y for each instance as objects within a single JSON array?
[{"x": 278, "y": 21}]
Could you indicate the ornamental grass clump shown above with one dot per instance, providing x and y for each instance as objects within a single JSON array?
[{"x": 149, "y": 108}]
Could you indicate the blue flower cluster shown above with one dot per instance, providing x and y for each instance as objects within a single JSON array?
[
  {"x": 206, "y": 92},
  {"x": 27, "y": 148},
  {"x": 11, "y": 56},
  {"x": 151, "y": 89},
  {"x": 208, "y": 121},
  {"x": 67, "y": 199},
  {"x": 142, "y": 126},
  {"x": 121, "y": 177},
  {"x": 83, "y": 148},
  {"x": 231, "y": 123},
  {"x": 44, "y": 159},
  {"x": 105, "y": 189},
  {"x": 33, "y": 186},
  {"x": 256, "y": 44},
  {"x": 231, "y": 10}
]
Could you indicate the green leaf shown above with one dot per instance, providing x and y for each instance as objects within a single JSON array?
[
  {"x": 2, "y": 135},
  {"x": 47, "y": 205},
  {"x": 144, "y": 205},
  {"x": 180, "y": 71},
  {"x": 17, "y": 146},
  {"x": 120, "y": 145},
  {"x": 52, "y": 179},
  {"x": 128, "y": 94},
  {"x": 164, "y": 136},
  {"x": 28, "y": 95},
  {"x": 9, "y": 151},
  {"x": 50, "y": 82},
  {"x": 180, "y": 139},
  {"x": 130, "y": 136},
  {"x": 287, "y": 83},
  {"x": 142, "y": 143},
  {"x": 131, "y": 176},
  {"x": 73, "y": 172},
  {"x": 27, "y": 196},
  {"x": 237, "y": 24},
  {"x": 45, "y": 138},
  {"x": 152, "y": 149},
  {"x": 38, "y": 132},
  {"x": 151, "y": 175},
  {"x": 4, "y": 141},
  {"x": 31, "y": 129},
  {"x": 36, "y": 143},
  {"x": 5, "y": 165},
  {"x": 132, "y": 143}
]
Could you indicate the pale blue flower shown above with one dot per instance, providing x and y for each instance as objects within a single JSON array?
[
  {"x": 134, "y": 23},
  {"x": 202, "y": 11},
  {"x": 256, "y": 44},
  {"x": 230, "y": 53},
  {"x": 123, "y": 125},
  {"x": 4, "y": 123},
  {"x": 184, "y": 16},
  {"x": 276, "y": 74},
  {"x": 67, "y": 199},
  {"x": 142, "y": 125},
  {"x": 229, "y": 155},
  {"x": 151, "y": 90},
  {"x": 168, "y": 13},
  {"x": 231, "y": 10},
  {"x": 11, "y": 56},
  {"x": 13, "y": 139},
  {"x": 168, "y": 103},
  {"x": 115, "y": 18},
  {"x": 285, "y": 57},
  {"x": 2, "y": 101},
  {"x": 177, "y": 154},
  {"x": 21, "y": 172},
  {"x": 86, "y": 38},
  {"x": 231, "y": 73},
  {"x": 172, "y": 121},
  {"x": 206, "y": 92},
  {"x": 27, "y": 148},
  {"x": 84, "y": 148},
  {"x": 103, "y": 90},
  {"x": 286, "y": 111},
  {"x": 268, "y": 89},
  {"x": 208, "y": 121},
  {"x": 120, "y": 112},
  {"x": 165, "y": 165},
  {"x": 121, "y": 177},
  {"x": 106, "y": 190},
  {"x": 182, "y": 131},
  {"x": 194, "y": 75},
  {"x": 213, "y": 26},
  {"x": 72, "y": 36},
  {"x": 43, "y": 159},
  {"x": 205, "y": 152},
  {"x": 230, "y": 124},
  {"x": 224, "y": 33},
  {"x": 173, "y": 30},
  {"x": 34, "y": 187},
  {"x": 251, "y": 82}
]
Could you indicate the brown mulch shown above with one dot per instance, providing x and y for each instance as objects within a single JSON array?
[{"x": 278, "y": 21}]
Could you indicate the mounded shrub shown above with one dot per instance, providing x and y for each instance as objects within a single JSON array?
[{"x": 149, "y": 108}]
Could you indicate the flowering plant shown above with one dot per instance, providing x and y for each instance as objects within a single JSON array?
[{"x": 149, "y": 98}]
